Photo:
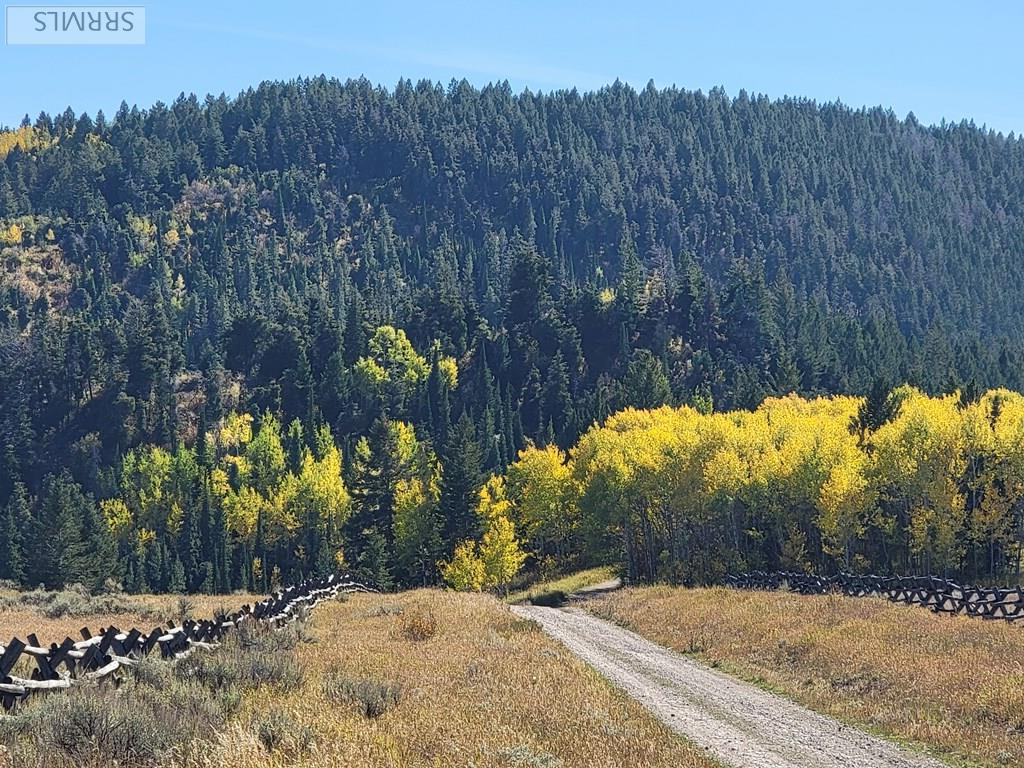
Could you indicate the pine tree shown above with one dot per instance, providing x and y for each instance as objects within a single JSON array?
[
  {"x": 294, "y": 445},
  {"x": 530, "y": 413},
  {"x": 645, "y": 384},
  {"x": 528, "y": 285},
  {"x": 189, "y": 553},
  {"x": 374, "y": 560},
  {"x": 15, "y": 528},
  {"x": 375, "y": 474},
  {"x": 76, "y": 544},
  {"x": 221, "y": 556},
  {"x": 460, "y": 480},
  {"x": 438, "y": 401},
  {"x": 557, "y": 404},
  {"x": 262, "y": 580}
]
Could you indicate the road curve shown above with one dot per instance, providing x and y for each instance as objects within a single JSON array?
[{"x": 741, "y": 725}]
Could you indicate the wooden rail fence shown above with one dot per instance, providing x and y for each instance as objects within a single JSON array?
[
  {"x": 98, "y": 655},
  {"x": 938, "y": 594}
]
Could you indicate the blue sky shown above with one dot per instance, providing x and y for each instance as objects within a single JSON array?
[{"x": 938, "y": 59}]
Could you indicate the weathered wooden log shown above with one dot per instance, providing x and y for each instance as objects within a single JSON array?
[
  {"x": 107, "y": 669},
  {"x": 42, "y": 685},
  {"x": 97, "y": 657}
]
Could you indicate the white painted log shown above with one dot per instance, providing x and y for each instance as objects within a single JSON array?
[
  {"x": 103, "y": 671},
  {"x": 42, "y": 685}
]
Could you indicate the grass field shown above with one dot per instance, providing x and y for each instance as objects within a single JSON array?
[
  {"x": 424, "y": 678},
  {"x": 56, "y": 615},
  {"x": 955, "y": 684},
  {"x": 479, "y": 688}
]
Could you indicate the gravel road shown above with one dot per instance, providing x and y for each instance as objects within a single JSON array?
[{"x": 739, "y": 724}]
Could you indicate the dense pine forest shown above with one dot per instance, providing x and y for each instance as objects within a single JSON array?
[{"x": 248, "y": 339}]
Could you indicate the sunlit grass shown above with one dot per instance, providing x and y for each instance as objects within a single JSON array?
[
  {"x": 486, "y": 689},
  {"x": 952, "y": 683},
  {"x": 567, "y": 584},
  {"x": 19, "y": 617}
]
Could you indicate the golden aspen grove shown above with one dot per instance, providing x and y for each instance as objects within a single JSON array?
[{"x": 898, "y": 482}]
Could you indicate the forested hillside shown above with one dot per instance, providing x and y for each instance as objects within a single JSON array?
[{"x": 243, "y": 339}]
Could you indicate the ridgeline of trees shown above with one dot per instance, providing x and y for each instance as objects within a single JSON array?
[{"x": 243, "y": 338}]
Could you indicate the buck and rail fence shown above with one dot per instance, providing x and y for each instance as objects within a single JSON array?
[
  {"x": 96, "y": 656},
  {"x": 938, "y": 594}
]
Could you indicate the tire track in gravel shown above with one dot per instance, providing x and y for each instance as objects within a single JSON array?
[{"x": 738, "y": 723}]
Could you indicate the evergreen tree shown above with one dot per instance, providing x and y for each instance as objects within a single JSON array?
[
  {"x": 375, "y": 476},
  {"x": 15, "y": 529},
  {"x": 460, "y": 480},
  {"x": 76, "y": 544},
  {"x": 645, "y": 384},
  {"x": 557, "y": 404}
]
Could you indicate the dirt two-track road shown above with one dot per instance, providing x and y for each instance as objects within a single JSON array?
[{"x": 739, "y": 724}]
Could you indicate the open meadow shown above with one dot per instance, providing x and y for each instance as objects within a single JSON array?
[
  {"x": 470, "y": 684},
  {"x": 422, "y": 678},
  {"x": 54, "y": 615},
  {"x": 949, "y": 683}
]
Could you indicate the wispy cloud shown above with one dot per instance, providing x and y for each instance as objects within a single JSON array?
[{"x": 496, "y": 65}]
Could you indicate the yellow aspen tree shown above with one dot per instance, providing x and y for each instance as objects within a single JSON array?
[
  {"x": 501, "y": 554},
  {"x": 465, "y": 571}
]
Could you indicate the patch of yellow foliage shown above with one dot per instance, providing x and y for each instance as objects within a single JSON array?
[
  {"x": 692, "y": 495},
  {"x": 12, "y": 235},
  {"x": 26, "y": 138}
]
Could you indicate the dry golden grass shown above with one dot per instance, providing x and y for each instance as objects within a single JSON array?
[
  {"x": 486, "y": 689},
  {"x": 951, "y": 683},
  {"x": 124, "y": 611}
]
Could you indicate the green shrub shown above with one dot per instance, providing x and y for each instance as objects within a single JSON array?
[
  {"x": 160, "y": 710},
  {"x": 371, "y": 697},
  {"x": 92, "y": 727},
  {"x": 185, "y": 608},
  {"x": 255, "y": 636},
  {"x": 245, "y": 668},
  {"x": 525, "y": 756},
  {"x": 272, "y": 729},
  {"x": 277, "y": 732},
  {"x": 386, "y": 609},
  {"x": 552, "y": 599},
  {"x": 74, "y": 600}
]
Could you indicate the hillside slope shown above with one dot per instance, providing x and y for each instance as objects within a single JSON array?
[{"x": 548, "y": 259}]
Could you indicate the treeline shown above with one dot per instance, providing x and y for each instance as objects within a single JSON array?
[
  {"x": 897, "y": 482},
  {"x": 550, "y": 259},
  {"x": 249, "y": 508}
]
